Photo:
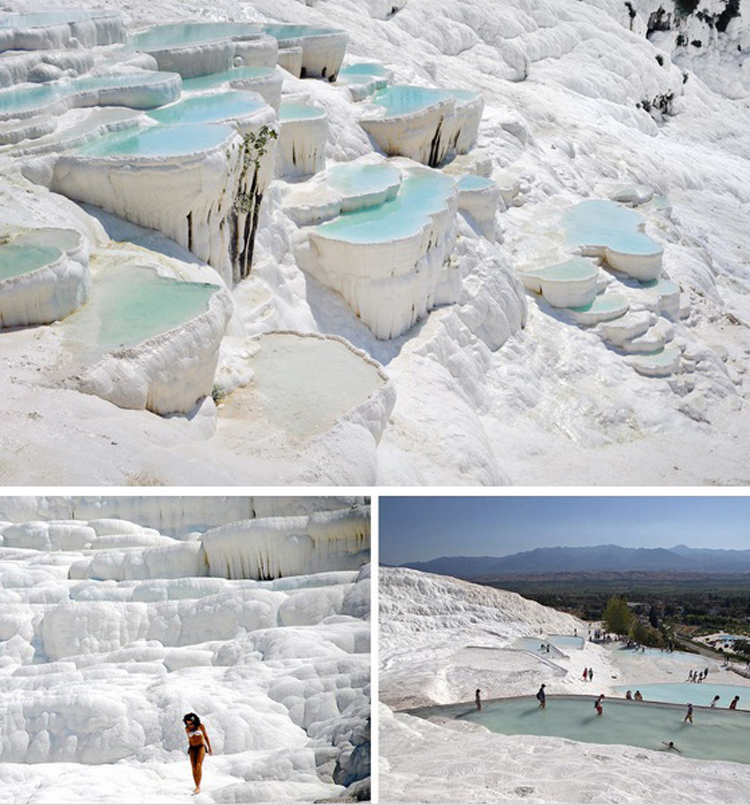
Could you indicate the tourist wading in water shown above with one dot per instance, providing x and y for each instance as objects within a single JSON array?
[
  {"x": 199, "y": 744},
  {"x": 599, "y": 705},
  {"x": 478, "y": 699}
]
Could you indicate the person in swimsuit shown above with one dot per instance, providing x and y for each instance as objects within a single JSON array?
[
  {"x": 599, "y": 705},
  {"x": 733, "y": 703},
  {"x": 198, "y": 745},
  {"x": 670, "y": 747}
]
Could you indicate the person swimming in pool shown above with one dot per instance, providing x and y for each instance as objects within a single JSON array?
[
  {"x": 198, "y": 745},
  {"x": 638, "y": 696},
  {"x": 670, "y": 747}
]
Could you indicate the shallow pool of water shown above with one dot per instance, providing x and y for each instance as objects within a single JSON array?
[
  {"x": 190, "y": 33},
  {"x": 538, "y": 645},
  {"x": 606, "y": 223},
  {"x": 282, "y": 32},
  {"x": 697, "y": 693},
  {"x": 215, "y": 79},
  {"x": 299, "y": 111},
  {"x": 304, "y": 384},
  {"x": 353, "y": 180},
  {"x": 473, "y": 182},
  {"x": 403, "y": 100},
  {"x": 20, "y": 100},
  {"x": 714, "y": 735},
  {"x": 421, "y": 194},
  {"x": 128, "y": 306},
  {"x": 208, "y": 108},
  {"x": 566, "y": 640},
  {"x": 163, "y": 141},
  {"x": 18, "y": 259}
]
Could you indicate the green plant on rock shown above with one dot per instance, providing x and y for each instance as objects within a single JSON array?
[{"x": 254, "y": 147}]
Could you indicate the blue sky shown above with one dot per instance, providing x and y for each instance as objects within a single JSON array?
[{"x": 421, "y": 528}]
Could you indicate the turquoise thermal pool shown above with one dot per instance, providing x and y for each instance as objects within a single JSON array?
[
  {"x": 364, "y": 70},
  {"x": 356, "y": 180},
  {"x": 700, "y": 694},
  {"x": 680, "y": 656},
  {"x": 603, "y": 305},
  {"x": 158, "y": 141},
  {"x": 538, "y": 645},
  {"x": 610, "y": 225},
  {"x": 282, "y": 32},
  {"x": 565, "y": 640},
  {"x": 31, "y": 98},
  {"x": 714, "y": 735},
  {"x": 473, "y": 182},
  {"x": 422, "y": 194},
  {"x": 210, "y": 108},
  {"x": 577, "y": 268},
  {"x": 17, "y": 259},
  {"x": 130, "y": 305},
  {"x": 403, "y": 100},
  {"x": 299, "y": 111},
  {"x": 216, "y": 79},
  {"x": 191, "y": 33}
]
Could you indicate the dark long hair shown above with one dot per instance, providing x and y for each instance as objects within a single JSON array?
[{"x": 195, "y": 721}]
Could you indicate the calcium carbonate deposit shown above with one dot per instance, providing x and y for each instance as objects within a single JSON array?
[
  {"x": 441, "y": 639},
  {"x": 402, "y": 242},
  {"x": 120, "y": 615}
]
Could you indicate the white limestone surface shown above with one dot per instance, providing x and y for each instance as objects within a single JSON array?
[
  {"x": 97, "y": 674},
  {"x": 272, "y": 547},
  {"x": 302, "y": 138},
  {"x": 44, "y": 30}
]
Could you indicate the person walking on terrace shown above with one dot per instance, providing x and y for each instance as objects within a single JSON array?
[
  {"x": 542, "y": 697},
  {"x": 199, "y": 744}
]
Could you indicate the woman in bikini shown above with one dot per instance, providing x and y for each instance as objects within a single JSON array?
[{"x": 198, "y": 745}]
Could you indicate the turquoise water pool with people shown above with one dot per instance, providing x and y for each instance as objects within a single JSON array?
[{"x": 713, "y": 735}]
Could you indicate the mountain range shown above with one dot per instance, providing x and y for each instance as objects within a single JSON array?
[{"x": 598, "y": 558}]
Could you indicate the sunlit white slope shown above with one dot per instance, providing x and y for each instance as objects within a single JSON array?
[{"x": 96, "y": 674}]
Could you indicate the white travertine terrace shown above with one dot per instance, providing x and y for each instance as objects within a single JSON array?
[
  {"x": 197, "y": 49},
  {"x": 306, "y": 385},
  {"x": 136, "y": 90},
  {"x": 422, "y": 123},
  {"x": 44, "y": 277},
  {"x": 266, "y": 81},
  {"x": 616, "y": 234},
  {"x": 569, "y": 284},
  {"x": 479, "y": 197},
  {"x": 364, "y": 78},
  {"x": 60, "y": 29},
  {"x": 41, "y": 66},
  {"x": 387, "y": 261},
  {"x": 274, "y": 547},
  {"x": 189, "y": 182},
  {"x": 323, "y": 49},
  {"x": 302, "y": 138},
  {"x": 168, "y": 372}
]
